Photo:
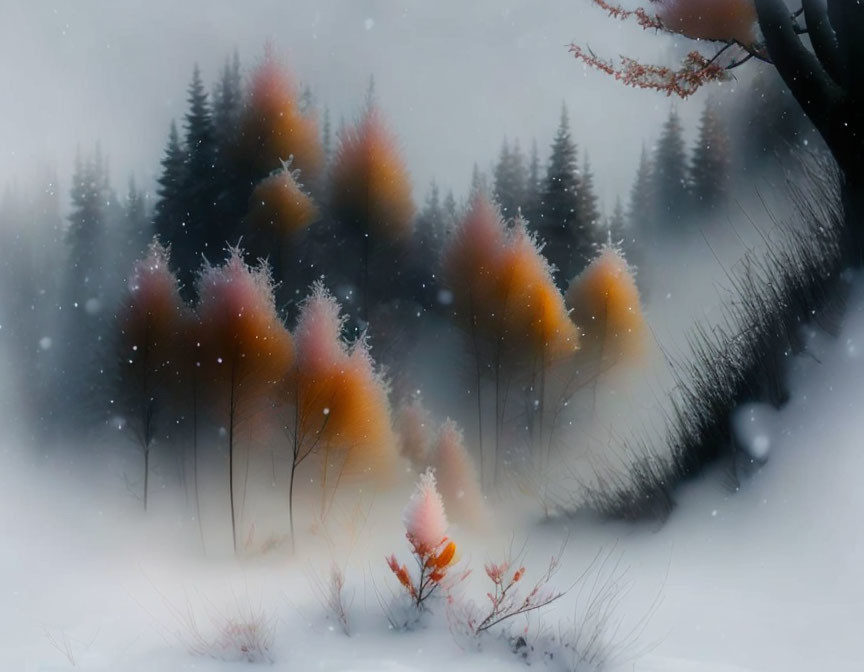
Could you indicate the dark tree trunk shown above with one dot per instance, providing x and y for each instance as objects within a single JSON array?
[
  {"x": 828, "y": 83},
  {"x": 853, "y": 215}
]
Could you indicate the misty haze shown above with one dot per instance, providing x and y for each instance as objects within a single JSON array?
[{"x": 401, "y": 335}]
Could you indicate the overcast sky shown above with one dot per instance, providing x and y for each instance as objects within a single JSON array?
[{"x": 453, "y": 76}]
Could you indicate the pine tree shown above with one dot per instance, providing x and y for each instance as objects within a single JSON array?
[
  {"x": 83, "y": 301},
  {"x": 510, "y": 179},
  {"x": 451, "y": 213},
  {"x": 479, "y": 182},
  {"x": 709, "y": 171},
  {"x": 201, "y": 234},
  {"x": 588, "y": 210},
  {"x": 228, "y": 104},
  {"x": 199, "y": 130},
  {"x": 560, "y": 223},
  {"x": 170, "y": 218},
  {"x": 617, "y": 224},
  {"x": 620, "y": 232},
  {"x": 87, "y": 227},
  {"x": 430, "y": 223},
  {"x": 640, "y": 212},
  {"x": 327, "y": 136},
  {"x": 532, "y": 185},
  {"x": 670, "y": 176},
  {"x": 135, "y": 233},
  {"x": 307, "y": 101}
]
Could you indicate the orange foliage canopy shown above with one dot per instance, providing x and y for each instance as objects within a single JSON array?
[
  {"x": 369, "y": 181},
  {"x": 279, "y": 204},
  {"x": 340, "y": 401},
  {"x": 470, "y": 262},
  {"x": 720, "y": 20},
  {"x": 273, "y": 126},
  {"x": 604, "y": 301},
  {"x": 151, "y": 315},
  {"x": 457, "y": 476},
  {"x": 414, "y": 425},
  {"x": 245, "y": 349},
  {"x": 502, "y": 285},
  {"x": 529, "y": 307}
]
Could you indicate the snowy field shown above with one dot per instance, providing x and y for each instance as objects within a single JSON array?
[{"x": 766, "y": 578}]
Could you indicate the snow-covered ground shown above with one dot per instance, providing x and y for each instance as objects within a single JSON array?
[{"x": 766, "y": 578}]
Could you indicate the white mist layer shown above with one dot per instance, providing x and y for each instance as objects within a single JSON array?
[{"x": 762, "y": 579}]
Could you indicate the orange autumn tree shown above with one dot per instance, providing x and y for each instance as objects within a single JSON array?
[
  {"x": 506, "y": 299},
  {"x": 370, "y": 190},
  {"x": 274, "y": 127},
  {"x": 280, "y": 211},
  {"x": 337, "y": 406},
  {"x": 530, "y": 324},
  {"x": 604, "y": 302},
  {"x": 469, "y": 267},
  {"x": 245, "y": 349},
  {"x": 457, "y": 476},
  {"x": 280, "y": 204},
  {"x": 414, "y": 426},
  {"x": 149, "y": 320}
]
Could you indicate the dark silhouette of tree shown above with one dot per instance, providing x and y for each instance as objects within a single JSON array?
[
  {"x": 560, "y": 223},
  {"x": 641, "y": 208},
  {"x": 479, "y": 182},
  {"x": 170, "y": 216},
  {"x": 670, "y": 176},
  {"x": 228, "y": 104},
  {"x": 137, "y": 227},
  {"x": 421, "y": 263},
  {"x": 451, "y": 213},
  {"x": 769, "y": 126},
  {"x": 89, "y": 195},
  {"x": 532, "y": 185},
  {"x": 430, "y": 224},
  {"x": 711, "y": 164},
  {"x": 327, "y": 136},
  {"x": 84, "y": 290},
  {"x": 510, "y": 179},
  {"x": 588, "y": 208},
  {"x": 616, "y": 224},
  {"x": 200, "y": 234}
]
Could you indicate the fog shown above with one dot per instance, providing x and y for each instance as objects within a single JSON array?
[
  {"x": 302, "y": 415},
  {"x": 454, "y": 78}
]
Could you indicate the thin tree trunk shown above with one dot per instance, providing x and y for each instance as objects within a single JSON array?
[
  {"x": 478, "y": 369},
  {"x": 146, "y": 474},
  {"x": 291, "y": 506},
  {"x": 295, "y": 455},
  {"x": 853, "y": 215},
  {"x": 195, "y": 456},
  {"x": 231, "y": 413},
  {"x": 365, "y": 281}
]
